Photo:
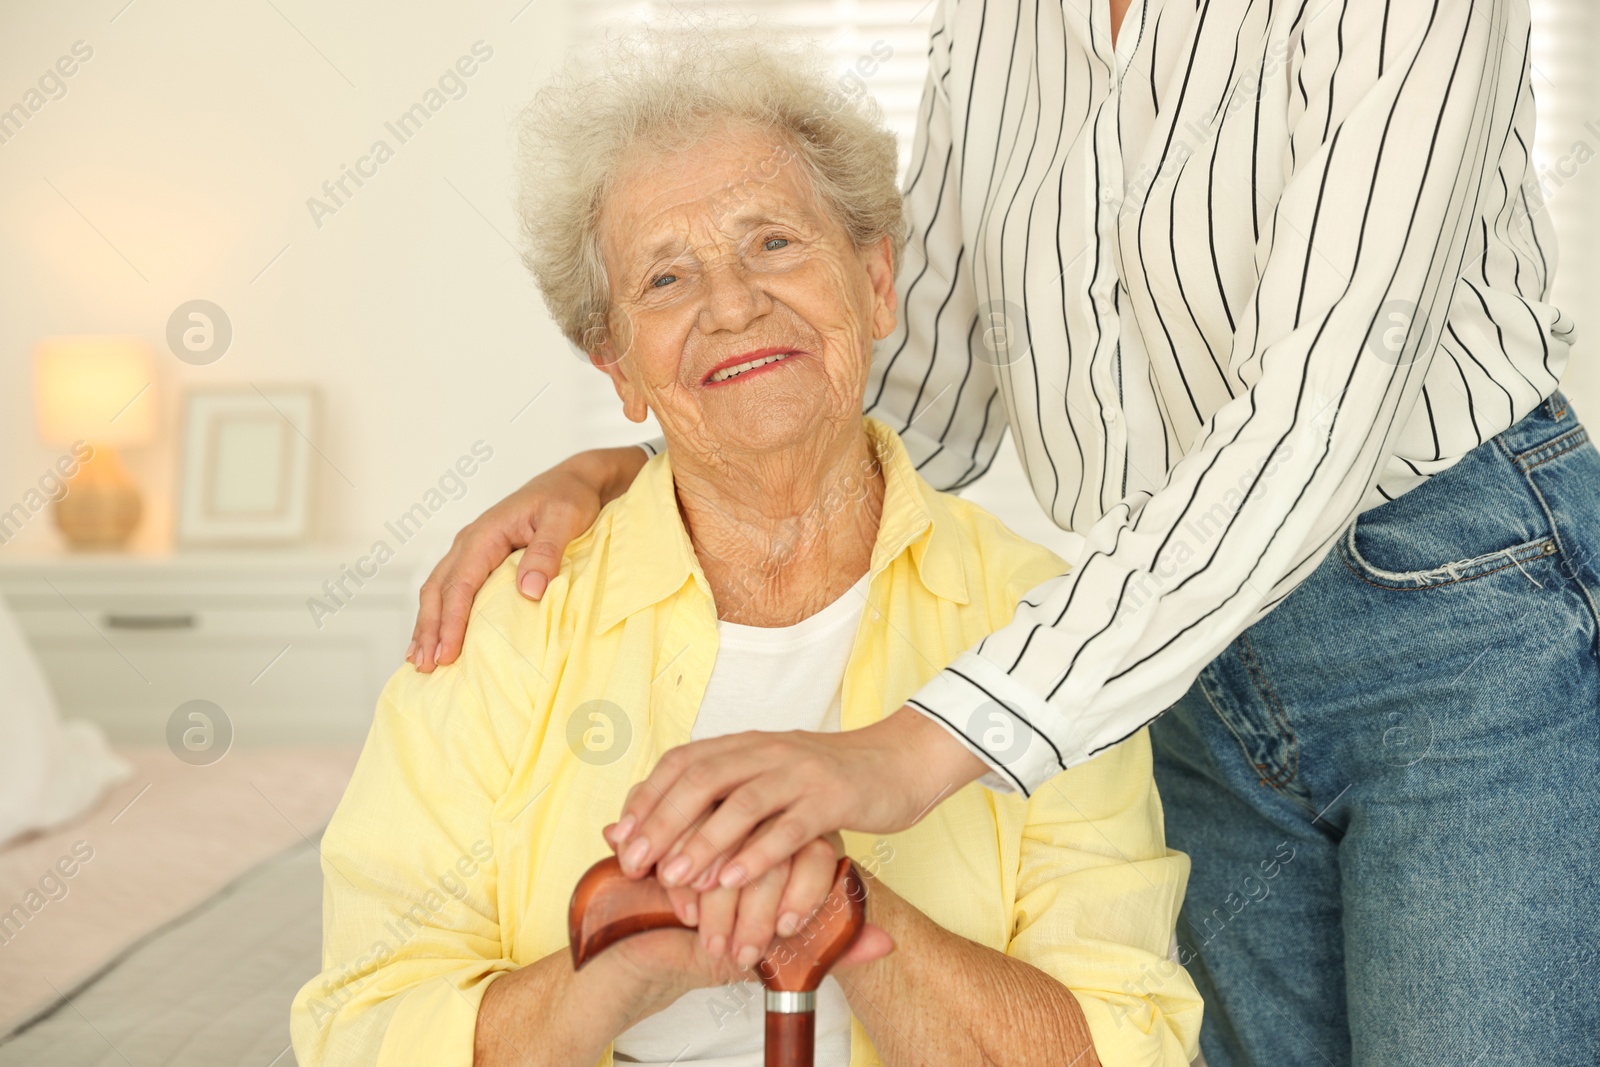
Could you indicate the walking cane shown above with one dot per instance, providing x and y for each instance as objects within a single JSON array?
[{"x": 608, "y": 906}]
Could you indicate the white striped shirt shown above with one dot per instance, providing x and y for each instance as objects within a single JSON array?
[{"x": 1183, "y": 272}]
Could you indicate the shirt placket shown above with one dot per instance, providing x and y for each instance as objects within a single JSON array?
[
  {"x": 687, "y": 652},
  {"x": 1110, "y": 307},
  {"x": 1141, "y": 439}
]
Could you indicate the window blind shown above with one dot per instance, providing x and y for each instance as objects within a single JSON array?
[{"x": 884, "y": 43}]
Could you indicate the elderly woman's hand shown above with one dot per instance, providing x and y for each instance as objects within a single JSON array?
[
  {"x": 736, "y": 927},
  {"x": 739, "y": 923},
  {"x": 663, "y": 965}
]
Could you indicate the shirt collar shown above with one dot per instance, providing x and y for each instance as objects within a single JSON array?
[{"x": 648, "y": 556}]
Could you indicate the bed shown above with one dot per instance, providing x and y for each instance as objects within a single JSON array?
[{"x": 191, "y": 914}]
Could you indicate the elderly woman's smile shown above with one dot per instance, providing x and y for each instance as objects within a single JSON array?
[{"x": 748, "y": 363}]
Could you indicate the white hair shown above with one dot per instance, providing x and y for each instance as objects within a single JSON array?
[{"x": 668, "y": 89}]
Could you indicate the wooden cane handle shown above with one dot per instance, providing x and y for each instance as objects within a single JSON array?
[{"x": 608, "y": 906}]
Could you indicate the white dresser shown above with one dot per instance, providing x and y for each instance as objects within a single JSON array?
[{"x": 126, "y": 639}]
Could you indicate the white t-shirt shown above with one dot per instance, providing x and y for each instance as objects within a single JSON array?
[{"x": 764, "y": 678}]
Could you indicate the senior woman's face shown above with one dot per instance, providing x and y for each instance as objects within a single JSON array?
[{"x": 742, "y": 314}]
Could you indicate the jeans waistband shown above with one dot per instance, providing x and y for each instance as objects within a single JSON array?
[{"x": 1551, "y": 419}]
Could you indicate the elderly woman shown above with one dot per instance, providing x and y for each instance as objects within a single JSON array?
[{"x": 718, "y": 230}]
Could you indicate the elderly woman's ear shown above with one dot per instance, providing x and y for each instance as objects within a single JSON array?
[
  {"x": 609, "y": 346},
  {"x": 879, "y": 260}
]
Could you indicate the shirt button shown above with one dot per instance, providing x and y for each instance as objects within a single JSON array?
[{"x": 1113, "y": 415}]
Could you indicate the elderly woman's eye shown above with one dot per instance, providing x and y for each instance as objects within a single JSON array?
[
  {"x": 663, "y": 279},
  {"x": 775, "y": 243}
]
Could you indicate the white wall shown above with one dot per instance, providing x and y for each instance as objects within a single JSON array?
[
  {"x": 178, "y": 165},
  {"x": 1566, "y": 36},
  {"x": 188, "y": 146}
]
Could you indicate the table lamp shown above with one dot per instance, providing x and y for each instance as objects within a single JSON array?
[{"x": 90, "y": 389}]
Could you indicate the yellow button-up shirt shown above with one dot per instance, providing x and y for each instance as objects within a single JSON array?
[{"x": 481, "y": 792}]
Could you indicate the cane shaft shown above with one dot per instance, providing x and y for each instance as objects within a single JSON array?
[{"x": 791, "y": 1038}]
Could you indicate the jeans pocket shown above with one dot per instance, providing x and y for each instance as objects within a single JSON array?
[
  {"x": 1476, "y": 518},
  {"x": 1451, "y": 572}
]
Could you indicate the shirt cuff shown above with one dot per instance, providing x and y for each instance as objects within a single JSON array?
[
  {"x": 437, "y": 1022},
  {"x": 1018, "y": 734}
]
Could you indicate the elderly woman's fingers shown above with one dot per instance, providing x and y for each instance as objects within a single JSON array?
[
  {"x": 758, "y": 915},
  {"x": 685, "y": 905},
  {"x": 685, "y": 901},
  {"x": 718, "y": 909},
  {"x": 873, "y": 943},
  {"x": 810, "y": 878}
]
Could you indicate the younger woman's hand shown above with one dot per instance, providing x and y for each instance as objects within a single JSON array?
[
  {"x": 725, "y": 810},
  {"x": 543, "y": 517}
]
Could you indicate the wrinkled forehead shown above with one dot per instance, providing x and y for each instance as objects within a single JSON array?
[{"x": 670, "y": 198}]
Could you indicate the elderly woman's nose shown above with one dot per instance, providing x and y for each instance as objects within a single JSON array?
[{"x": 734, "y": 297}]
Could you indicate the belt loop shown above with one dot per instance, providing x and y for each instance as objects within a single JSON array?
[{"x": 1555, "y": 405}]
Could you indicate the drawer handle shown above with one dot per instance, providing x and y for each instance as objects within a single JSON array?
[{"x": 151, "y": 622}]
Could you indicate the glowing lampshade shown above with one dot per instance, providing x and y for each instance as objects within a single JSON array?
[{"x": 93, "y": 388}]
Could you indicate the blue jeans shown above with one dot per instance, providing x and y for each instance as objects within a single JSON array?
[{"x": 1389, "y": 787}]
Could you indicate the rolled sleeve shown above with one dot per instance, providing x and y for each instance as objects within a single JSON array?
[{"x": 1097, "y": 899}]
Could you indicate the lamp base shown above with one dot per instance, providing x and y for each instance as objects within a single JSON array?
[{"x": 101, "y": 507}]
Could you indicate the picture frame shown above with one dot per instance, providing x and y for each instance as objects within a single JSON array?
[{"x": 246, "y": 465}]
